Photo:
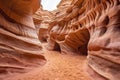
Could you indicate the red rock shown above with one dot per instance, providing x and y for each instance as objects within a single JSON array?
[
  {"x": 20, "y": 50},
  {"x": 90, "y": 26},
  {"x": 85, "y": 27}
]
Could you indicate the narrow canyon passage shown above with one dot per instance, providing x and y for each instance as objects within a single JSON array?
[
  {"x": 58, "y": 67},
  {"x": 78, "y": 40}
]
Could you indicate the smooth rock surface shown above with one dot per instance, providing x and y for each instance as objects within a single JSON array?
[{"x": 20, "y": 49}]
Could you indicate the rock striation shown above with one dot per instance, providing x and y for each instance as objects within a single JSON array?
[
  {"x": 42, "y": 18},
  {"x": 19, "y": 44},
  {"x": 89, "y": 27},
  {"x": 85, "y": 27}
]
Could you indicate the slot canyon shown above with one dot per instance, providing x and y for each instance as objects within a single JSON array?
[{"x": 80, "y": 40}]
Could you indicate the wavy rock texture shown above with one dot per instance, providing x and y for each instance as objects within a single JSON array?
[
  {"x": 42, "y": 18},
  {"x": 88, "y": 27},
  {"x": 19, "y": 45},
  {"x": 91, "y": 26}
]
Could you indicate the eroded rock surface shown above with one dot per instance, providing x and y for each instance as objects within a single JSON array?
[
  {"x": 42, "y": 18},
  {"x": 19, "y": 45},
  {"x": 89, "y": 26}
]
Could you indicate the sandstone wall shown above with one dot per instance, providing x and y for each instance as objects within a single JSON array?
[
  {"x": 19, "y": 45},
  {"x": 42, "y": 18},
  {"x": 90, "y": 27}
]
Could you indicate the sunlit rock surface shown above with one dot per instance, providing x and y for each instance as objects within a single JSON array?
[
  {"x": 85, "y": 27},
  {"x": 20, "y": 49},
  {"x": 89, "y": 27}
]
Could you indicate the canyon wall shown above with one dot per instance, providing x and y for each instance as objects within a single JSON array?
[
  {"x": 42, "y": 18},
  {"x": 85, "y": 27},
  {"x": 89, "y": 27},
  {"x": 19, "y": 44}
]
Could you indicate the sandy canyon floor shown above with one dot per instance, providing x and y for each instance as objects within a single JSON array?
[{"x": 58, "y": 67}]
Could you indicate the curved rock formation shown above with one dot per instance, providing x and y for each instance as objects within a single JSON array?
[
  {"x": 19, "y": 45},
  {"x": 42, "y": 18},
  {"x": 90, "y": 26},
  {"x": 66, "y": 31}
]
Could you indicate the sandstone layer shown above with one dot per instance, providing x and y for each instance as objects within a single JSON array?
[
  {"x": 84, "y": 27},
  {"x": 89, "y": 27},
  {"x": 42, "y": 18},
  {"x": 19, "y": 44}
]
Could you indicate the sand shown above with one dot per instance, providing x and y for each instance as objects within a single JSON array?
[{"x": 58, "y": 67}]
